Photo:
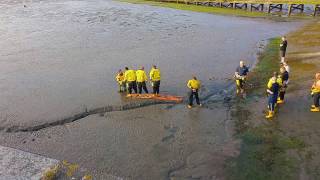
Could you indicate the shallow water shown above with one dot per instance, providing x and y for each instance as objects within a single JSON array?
[{"x": 59, "y": 57}]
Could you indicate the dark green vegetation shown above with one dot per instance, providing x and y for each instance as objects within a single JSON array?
[{"x": 264, "y": 156}]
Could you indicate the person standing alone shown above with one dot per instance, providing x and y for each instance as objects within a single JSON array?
[
  {"x": 194, "y": 85},
  {"x": 141, "y": 80},
  {"x": 240, "y": 76},
  {"x": 283, "y": 48},
  {"x": 155, "y": 77}
]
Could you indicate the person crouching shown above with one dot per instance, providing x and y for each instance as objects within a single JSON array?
[{"x": 121, "y": 81}]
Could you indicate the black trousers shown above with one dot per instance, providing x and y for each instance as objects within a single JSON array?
[
  {"x": 196, "y": 94},
  {"x": 316, "y": 99},
  {"x": 282, "y": 93},
  {"x": 156, "y": 87},
  {"x": 283, "y": 53},
  {"x": 142, "y": 85},
  {"x": 132, "y": 85}
]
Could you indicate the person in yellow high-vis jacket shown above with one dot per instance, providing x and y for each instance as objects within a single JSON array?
[
  {"x": 130, "y": 78},
  {"x": 141, "y": 80},
  {"x": 155, "y": 77},
  {"x": 315, "y": 92},
  {"x": 273, "y": 88},
  {"x": 194, "y": 86},
  {"x": 121, "y": 81}
]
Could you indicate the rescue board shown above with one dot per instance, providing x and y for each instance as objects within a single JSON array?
[{"x": 160, "y": 97}]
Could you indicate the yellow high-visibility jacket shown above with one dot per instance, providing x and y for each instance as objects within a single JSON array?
[
  {"x": 141, "y": 76},
  {"x": 270, "y": 82},
  {"x": 194, "y": 84},
  {"x": 316, "y": 87},
  {"x": 155, "y": 74},
  {"x": 120, "y": 78},
  {"x": 130, "y": 76}
]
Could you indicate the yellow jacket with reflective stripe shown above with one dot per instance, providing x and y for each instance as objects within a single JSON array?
[
  {"x": 270, "y": 82},
  {"x": 155, "y": 74},
  {"x": 120, "y": 78},
  {"x": 141, "y": 76},
  {"x": 194, "y": 84},
  {"x": 316, "y": 87},
  {"x": 130, "y": 75}
]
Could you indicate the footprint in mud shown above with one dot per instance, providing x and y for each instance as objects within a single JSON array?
[
  {"x": 171, "y": 131},
  {"x": 169, "y": 107},
  {"x": 167, "y": 138}
]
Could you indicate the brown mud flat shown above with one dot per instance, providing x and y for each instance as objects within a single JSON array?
[{"x": 290, "y": 142}]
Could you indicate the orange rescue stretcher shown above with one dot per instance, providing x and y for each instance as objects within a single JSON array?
[{"x": 160, "y": 97}]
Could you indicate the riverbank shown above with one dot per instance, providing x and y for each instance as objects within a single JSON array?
[
  {"x": 216, "y": 10},
  {"x": 286, "y": 147}
]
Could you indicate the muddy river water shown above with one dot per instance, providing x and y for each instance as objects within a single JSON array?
[{"x": 58, "y": 58}]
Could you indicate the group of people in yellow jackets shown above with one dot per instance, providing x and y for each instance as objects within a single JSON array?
[
  {"x": 131, "y": 80},
  {"x": 136, "y": 80}
]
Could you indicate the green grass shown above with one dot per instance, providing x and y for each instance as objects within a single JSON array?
[
  {"x": 267, "y": 64},
  {"x": 195, "y": 8},
  {"x": 264, "y": 156},
  {"x": 272, "y": 1},
  {"x": 206, "y": 9}
]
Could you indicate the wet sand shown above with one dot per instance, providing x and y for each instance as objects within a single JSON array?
[
  {"x": 153, "y": 143},
  {"x": 61, "y": 59}
]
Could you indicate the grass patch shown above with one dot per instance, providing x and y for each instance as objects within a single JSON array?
[
  {"x": 267, "y": 64},
  {"x": 195, "y": 8},
  {"x": 211, "y": 10},
  {"x": 277, "y": 1},
  {"x": 264, "y": 156}
]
